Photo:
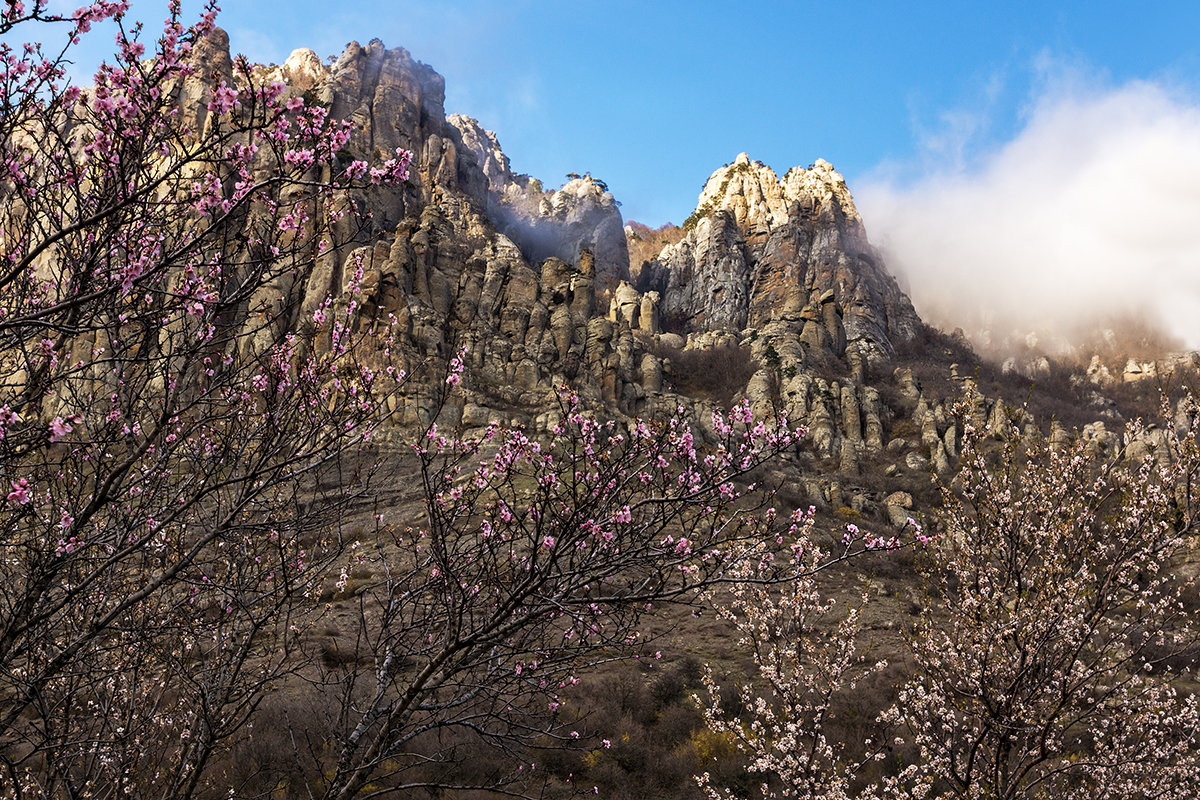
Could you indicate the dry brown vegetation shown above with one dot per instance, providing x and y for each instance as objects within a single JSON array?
[
  {"x": 717, "y": 374},
  {"x": 645, "y": 242}
]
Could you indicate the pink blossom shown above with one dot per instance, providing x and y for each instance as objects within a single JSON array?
[
  {"x": 224, "y": 99},
  {"x": 58, "y": 429},
  {"x": 20, "y": 494}
]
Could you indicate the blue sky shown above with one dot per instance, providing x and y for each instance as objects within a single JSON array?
[
  {"x": 652, "y": 96},
  {"x": 1047, "y": 137}
]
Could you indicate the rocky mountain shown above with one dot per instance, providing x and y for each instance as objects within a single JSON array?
[
  {"x": 777, "y": 274},
  {"x": 582, "y": 215}
]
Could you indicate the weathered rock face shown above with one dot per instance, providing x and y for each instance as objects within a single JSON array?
[
  {"x": 706, "y": 285},
  {"x": 471, "y": 254},
  {"x": 534, "y": 284},
  {"x": 765, "y": 250},
  {"x": 433, "y": 257},
  {"x": 485, "y": 147},
  {"x": 213, "y": 64},
  {"x": 303, "y": 70},
  {"x": 395, "y": 101}
]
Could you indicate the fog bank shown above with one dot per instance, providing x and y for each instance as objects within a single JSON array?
[{"x": 1091, "y": 212}]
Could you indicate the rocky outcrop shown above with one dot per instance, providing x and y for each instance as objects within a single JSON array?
[
  {"x": 303, "y": 70},
  {"x": 898, "y": 506},
  {"x": 763, "y": 250},
  {"x": 535, "y": 285},
  {"x": 396, "y": 101},
  {"x": 638, "y": 311},
  {"x": 435, "y": 256},
  {"x": 705, "y": 278},
  {"x": 1034, "y": 368},
  {"x": 212, "y": 66},
  {"x": 485, "y": 147}
]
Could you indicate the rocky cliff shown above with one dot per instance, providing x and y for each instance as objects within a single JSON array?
[
  {"x": 535, "y": 283},
  {"x": 469, "y": 254},
  {"x": 789, "y": 254},
  {"x": 582, "y": 215}
]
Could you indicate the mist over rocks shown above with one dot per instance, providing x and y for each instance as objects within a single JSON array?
[
  {"x": 581, "y": 215},
  {"x": 1087, "y": 215}
]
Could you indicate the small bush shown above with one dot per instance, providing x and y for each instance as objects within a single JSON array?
[
  {"x": 672, "y": 686},
  {"x": 694, "y": 218},
  {"x": 645, "y": 243},
  {"x": 847, "y": 514}
]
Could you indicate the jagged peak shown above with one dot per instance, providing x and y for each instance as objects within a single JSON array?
[
  {"x": 485, "y": 146},
  {"x": 749, "y": 189},
  {"x": 579, "y": 188},
  {"x": 756, "y": 196},
  {"x": 465, "y": 122},
  {"x": 304, "y": 69},
  {"x": 818, "y": 186}
]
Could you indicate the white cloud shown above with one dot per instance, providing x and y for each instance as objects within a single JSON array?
[{"x": 1092, "y": 210}]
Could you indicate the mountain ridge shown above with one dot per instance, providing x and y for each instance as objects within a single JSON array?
[{"x": 778, "y": 274}]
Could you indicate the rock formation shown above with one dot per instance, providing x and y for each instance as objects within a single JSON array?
[
  {"x": 761, "y": 250},
  {"x": 580, "y": 216}
]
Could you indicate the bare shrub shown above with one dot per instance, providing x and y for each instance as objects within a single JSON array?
[{"x": 717, "y": 374}]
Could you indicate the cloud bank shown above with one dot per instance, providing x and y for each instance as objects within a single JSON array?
[{"x": 1091, "y": 212}]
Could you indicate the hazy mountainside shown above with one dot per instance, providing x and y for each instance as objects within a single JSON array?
[
  {"x": 580, "y": 216},
  {"x": 774, "y": 274}
]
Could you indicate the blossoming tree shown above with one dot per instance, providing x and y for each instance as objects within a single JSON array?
[
  {"x": 538, "y": 559},
  {"x": 167, "y": 413},
  {"x": 807, "y": 654},
  {"x": 1047, "y": 662},
  {"x": 1050, "y": 660},
  {"x": 182, "y": 412}
]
